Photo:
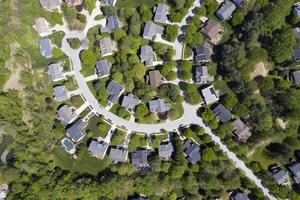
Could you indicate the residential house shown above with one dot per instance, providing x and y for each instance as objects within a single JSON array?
[
  {"x": 112, "y": 23},
  {"x": 241, "y": 131},
  {"x": 165, "y": 150},
  {"x": 210, "y": 95},
  {"x": 46, "y": 47},
  {"x": 66, "y": 114},
  {"x": 73, "y": 3},
  {"x": 51, "y": 5},
  {"x": 239, "y": 2},
  {"x": 118, "y": 154},
  {"x": 294, "y": 167},
  {"x": 103, "y": 68},
  {"x": 98, "y": 149},
  {"x": 296, "y": 9},
  {"x": 147, "y": 55},
  {"x": 281, "y": 176},
  {"x": 295, "y": 76},
  {"x": 114, "y": 90},
  {"x": 213, "y": 31},
  {"x": 201, "y": 75},
  {"x": 297, "y": 32},
  {"x": 109, "y": 2},
  {"x": 161, "y": 13},
  {"x": 222, "y": 114},
  {"x": 61, "y": 93},
  {"x": 139, "y": 158},
  {"x": 238, "y": 195},
  {"x": 151, "y": 30},
  {"x": 297, "y": 54},
  {"x": 129, "y": 102},
  {"x": 42, "y": 27},
  {"x": 106, "y": 46},
  {"x": 55, "y": 72},
  {"x": 155, "y": 78},
  {"x": 226, "y": 10},
  {"x": 140, "y": 198},
  {"x": 159, "y": 106},
  {"x": 192, "y": 151},
  {"x": 202, "y": 53},
  {"x": 76, "y": 131}
]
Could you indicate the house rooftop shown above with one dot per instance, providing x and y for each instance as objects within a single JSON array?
[
  {"x": 76, "y": 131},
  {"x": 296, "y": 10},
  {"x": 155, "y": 78},
  {"x": 118, "y": 154},
  {"x": 161, "y": 13},
  {"x": 130, "y": 102},
  {"x": 106, "y": 46},
  {"x": 103, "y": 68},
  {"x": 147, "y": 55},
  {"x": 109, "y": 2},
  {"x": 46, "y": 47},
  {"x": 139, "y": 157},
  {"x": 61, "y": 93},
  {"x": 239, "y": 2},
  {"x": 66, "y": 114},
  {"x": 159, "y": 106},
  {"x": 295, "y": 76},
  {"x": 73, "y": 2},
  {"x": 42, "y": 26},
  {"x": 210, "y": 95},
  {"x": 115, "y": 90},
  {"x": 152, "y": 29},
  {"x": 238, "y": 195},
  {"x": 165, "y": 150},
  {"x": 55, "y": 72},
  {"x": 112, "y": 23},
  {"x": 241, "y": 130},
  {"x": 226, "y": 10},
  {"x": 201, "y": 75},
  {"x": 222, "y": 114},
  {"x": 281, "y": 177},
  {"x": 98, "y": 149},
  {"x": 51, "y": 5},
  {"x": 202, "y": 53},
  {"x": 212, "y": 29},
  {"x": 192, "y": 151}
]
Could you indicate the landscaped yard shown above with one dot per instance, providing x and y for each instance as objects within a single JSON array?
[
  {"x": 136, "y": 3},
  {"x": 120, "y": 111},
  {"x": 118, "y": 137},
  {"x": 97, "y": 127},
  {"x": 157, "y": 139},
  {"x": 137, "y": 141},
  {"x": 77, "y": 101}
]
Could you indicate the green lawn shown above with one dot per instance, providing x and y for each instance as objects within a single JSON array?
[
  {"x": 136, "y": 3},
  {"x": 118, "y": 137},
  {"x": 77, "y": 101},
  {"x": 120, "y": 111},
  {"x": 137, "y": 141},
  {"x": 262, "y": 157},
  {"x": 157, "y": 139},
  {"x": 94, "y": 129}
]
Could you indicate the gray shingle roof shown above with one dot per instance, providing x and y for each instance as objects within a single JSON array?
[
  {"x": 106, "y": 46},
  {"x": 159, "y": 106},
  {"x": 115, "y": 90},
  {"x": 295, "y": 76},
  {"x": 139, "y": 158},
  {"x": 152, "y": 29},
  {"x": 109, "y": 2},
  {"x": 165, "y": 150},
  {"x": 202, "y": 53},
  {"x": 118, "y": 154},
  {"x": 55, "y": 72},
  {"x": 161, "y": 13},
  {"x": 103, "y": 68},
  {"x": 226, "y": 10},
  {"x": 239, "y": 196},
  {"x": 130, "y": 102},
  {"x": 112, "y": 23},
  {"x": 239, "y": 2},
  {"x": 46, "y": 47},
  {"x": 42, "y": 26},
  {"x": 147, "y": 55},
  {"x": 192, "y": 151},
  {"x": 222, "y": 114},
  {"x": 74, "y": 2},
  {"x": 61, "y": 93},
  {"x": 295, "y": 169},
  {"x": 51, "y": 5},
  {"x": 98, "y": 149},
  {"x": 281, "y": 177},
  {"x": 66, "y": 114},
  {"x": 201, "y": 75},
  {"x": 210, "y": 95},
  {"x": 241, "y": 130},
  {"x": 76, "y": 131}
]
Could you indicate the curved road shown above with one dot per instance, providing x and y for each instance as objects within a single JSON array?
[{"x": 190, "y": 112}]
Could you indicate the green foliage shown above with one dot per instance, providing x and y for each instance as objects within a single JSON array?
[
  {"x": 211, "y": 7},
  {"x": 170, "y": 92},
  {"x": 192, "y": 95},
  {"x": 209, "y": 155},
  {"x": 88, "y": 58},
  {"x": 89, "y": 5},
  {"x": 224, "y": 130},
  {"x": 167, "y": 70},
  {"x": 229, "y": 101},
  {"x": 117, "y": 138},
  {"x": 165, "y": 52},
  {"x": 109, "y": 11},
  {"x": 208, "y": 114},
  {"x": 56, "y": 18},
  {"x": 141, "y": 110},
  {"x": 145, "y": 13},
  {"x": 238, "y": 17},
  {"x": 137, "y": 141},
  {"x": 171, "y": 32},
  {"x": 185, "y": 71},
  {"x": 74, "y": 43},
  {"x": 11, "y": 108},
  {"x": 119, "y": 34}
]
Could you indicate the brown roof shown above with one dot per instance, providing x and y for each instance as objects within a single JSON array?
[
  {"x": 241, "y": 130},
  {"x": 212, "y": 29},
  {"x": 156, "y": 78}
]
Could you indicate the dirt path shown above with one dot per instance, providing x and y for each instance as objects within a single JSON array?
[
  {"x": 260, "y": 70},
  {"x": 13, "y": 83},
  {"x": 258, "y": 145}
]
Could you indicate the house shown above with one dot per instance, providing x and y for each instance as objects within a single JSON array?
[
  {"x": 297, "y": 32},
  {"x": 201, "y": 75},
  {"x": 109, "y": 2},
  {"x": 222, "y": 114},
  {"x": 66, "y": 114},
  {"x": 280, "y": 175},
  {"x": 159, "y": 106},
  {"x": 161, "y": 13},
  {"x": 139, "y": 158},
  {"x": 46, "y": 47},
  {"x": 112, "y": 23},
  {"x": 130, "y": 102},
  {"x": 147, "y": 55},
  {"x": 103, "y": 68},
  {"x": 210, "y": 95},
  {"x": 296, "y": 9},
  {"x": 151, "y": 30},
  {"x": 61, "y": 93},
  {"x": 51, "y": 5},
  {"x": 114, "y": 90},
  {"x": 165, "y": 150},
  {"x": 118, "y": 154},
  {"x": 106, "y": 46},
  {"x": 241, "y": 131},
  {"x": 238, "y": 195},
  {"x": 202, "y": 53},
  {"x": 55, "y": 72},
  {"x": 226, "y": 10},
  {"x": 98, "y": 149},
  {"x": 76, "y": 131},
  {"x": 297, "y": 54},
  {"x": 42, "y": 27},
  {"x": 295, "y": 76},
  {"x": 73, "y": 3},
  {"x": 239, "y": 2},
  {"x": 294, "y": 167},
  {"x": 140, "y": 198},
  {"x": 192, "y": 151},
  {"x": 155, "y": 78},
  {"x": 213, "y": 31}
]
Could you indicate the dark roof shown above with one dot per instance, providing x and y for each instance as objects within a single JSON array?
[
  {"x": 103, "y": 68},
  {"x": 130, "y": 102},
  {"x": 161, "y": 13},
  {"x": 222, "y": 113},
  {"x": 297, "y": 54},
  {"x": 202, "y": 53},
  {"x": 192, "y": 151},
  {"x": 152, "y": 29},
  {"x": 159, "y": 106},
  {"x": 76, "y": 131},
  {"x": 46, "y": 47},
  {"x": 114, "y": 89},
  {"x": 239, "y": 2},
  {"x": 295, "y": 169},
  {"x": 226, "y": 10},
  {"x": 139, "y": 158},
  {"x": 295, "y": 76},
  {"x": 238, "y": 195},
  {"x": 165, "y": 150},
  {"x": 118, "y": 154},
  {"x": 112, "y": 23}
]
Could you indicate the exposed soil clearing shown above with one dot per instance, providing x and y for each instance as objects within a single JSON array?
[{"x": 260, "y": 70}]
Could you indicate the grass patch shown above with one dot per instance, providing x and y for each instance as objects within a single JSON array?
[
  {"x": 177, "y": 111},
  {"x": 97, "y": 127},
  {"x": 57, "y": 37},
  {"x": 135, "y": 3},
  {"x": 222, "y": 87},
  {"x": 157, "y": 139},
  {"x": 137, "y": 141},
  {"x": 263, "y": 158},
  {"x": 75, "y": 43},
  {"x": 77, "y": 101},
  {"x": 118, "y": 137},
  {"x": 85, "y": 112},
  {"x": 120, "y": 111},
  {"x": 149, "y": 119}
]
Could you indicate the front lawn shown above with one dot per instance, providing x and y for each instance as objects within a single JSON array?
[
  {"x": 157, "y": 139},
  {"x": 137, "y": 141},
  {"x": 118, "y": 137},
  {"x": 120, "y": 111},
  {"x": 97, "y": 127}
]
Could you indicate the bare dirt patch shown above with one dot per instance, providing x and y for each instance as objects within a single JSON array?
[
  {"x": 260, "y": 70},
  {"x": 281, "y": 123}
]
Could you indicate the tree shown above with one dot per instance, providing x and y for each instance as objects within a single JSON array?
[
  {"x": 169, "y": 91},
  {"x": 208, "y": 114},
  {"x": 89, "y": 5},
  {"x": 109, "y": 11},
  {"x": 185, "y": 72},
  {"x": 141, "y": 110},
  {"x": 211, "y": 7},
  {"x": 145, "y": 12},
  {"x": 267, "y": 84},
  {"x": 192, "y": 95},
  {"x": 119, "y": 34},
  {"x": 88, "y": 58},
  {"x": 209, "y": 155},
  {"x": 172, "y": 32},
  {"x": 224, "y": 130},
  {"x": 229, "y": 101},
  {"x": 238, "y": 17}
]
